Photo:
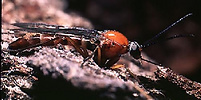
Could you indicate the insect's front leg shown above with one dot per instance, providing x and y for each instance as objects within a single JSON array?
[
  {"x": 105, "y": 62},
  {"x": 111, "y": 63}
]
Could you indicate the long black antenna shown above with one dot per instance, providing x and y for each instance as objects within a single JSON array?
[
  {"x": 151, "y": 62},
  {"x": 162, "y": 32},
  {"x": 166, "y": 39}
]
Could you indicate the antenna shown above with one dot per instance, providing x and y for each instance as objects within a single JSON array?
[
  {"x": 166, "y": 39},
  {"x": 162, "y": 32},
  {"x": 151, "y": 62}
]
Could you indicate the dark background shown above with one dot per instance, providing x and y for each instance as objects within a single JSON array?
[{"x": 140, "y": 20}]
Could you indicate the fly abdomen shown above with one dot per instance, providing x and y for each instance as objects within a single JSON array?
[{"x": 23, "y": 43}]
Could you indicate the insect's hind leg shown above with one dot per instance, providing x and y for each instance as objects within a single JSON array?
[{"x": 80, "y": 49}]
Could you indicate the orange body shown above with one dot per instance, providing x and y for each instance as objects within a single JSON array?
[
  {"x": 111, "y": 49},
  {"x": 116, "y": 45}
]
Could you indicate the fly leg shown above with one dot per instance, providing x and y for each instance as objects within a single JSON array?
[
  {"x": 110, "y": 63},
  {"x": 105, "y": 62},
  {"x": 80, "y": 49}
]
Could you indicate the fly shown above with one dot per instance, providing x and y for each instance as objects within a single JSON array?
[{"x": 110, "y": 44}]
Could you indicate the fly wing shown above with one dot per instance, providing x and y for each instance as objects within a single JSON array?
[{"x": 56, "y": 30}]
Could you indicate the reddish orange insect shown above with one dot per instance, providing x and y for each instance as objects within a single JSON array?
[{"x": 110, "y": 44}]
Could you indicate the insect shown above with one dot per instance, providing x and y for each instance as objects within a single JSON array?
[{"x": 109, "y": 44}]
